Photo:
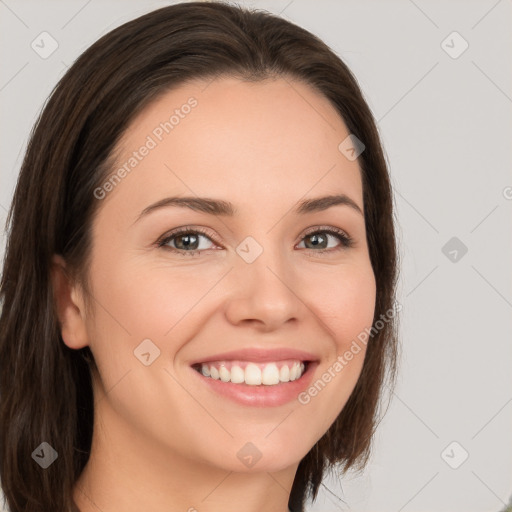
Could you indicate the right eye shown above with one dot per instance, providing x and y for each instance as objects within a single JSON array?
[{"x": 186, "y": 241}]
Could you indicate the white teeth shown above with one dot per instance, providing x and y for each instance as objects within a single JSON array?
[
  {"x": 237, "y": 375},
  {"x": 254, "y": 374},
  {"x": 296, "y": 371},
  {"x": 205, "y": 370},
  {"x": 270, "y": 375},
  {"x": 224, "y": 374},
  {"x": 293, "y": 372}
]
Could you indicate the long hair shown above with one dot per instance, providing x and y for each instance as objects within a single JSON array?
[{"x": 45, "y": 387}]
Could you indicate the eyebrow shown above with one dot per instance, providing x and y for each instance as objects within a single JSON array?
[{"x": 227, "y": 209}]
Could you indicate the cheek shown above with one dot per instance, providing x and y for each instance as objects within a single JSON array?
[
  {"x": 345, "y": 301},
  {"x": 356, "y": 309},
  {"x": 149, "y": 301},
  {"x": 346, "y": 307}
]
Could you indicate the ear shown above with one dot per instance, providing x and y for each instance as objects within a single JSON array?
[{"x": 70, "y": 306}]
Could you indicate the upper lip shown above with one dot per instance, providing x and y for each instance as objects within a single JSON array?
[{"x": 259, "y": 355}]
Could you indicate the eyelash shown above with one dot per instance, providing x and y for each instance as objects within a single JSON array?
[{"x": 346, "y": 241}]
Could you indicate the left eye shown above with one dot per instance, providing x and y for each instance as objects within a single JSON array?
[{"x": 318, "y": 238}]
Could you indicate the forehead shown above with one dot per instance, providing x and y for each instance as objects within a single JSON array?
[{"x": 274, "y": 140}]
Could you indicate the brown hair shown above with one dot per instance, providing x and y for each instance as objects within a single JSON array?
[{"x": 45, "y": 387}]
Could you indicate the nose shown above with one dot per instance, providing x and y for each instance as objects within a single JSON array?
[{"x": 264, "y": 293}]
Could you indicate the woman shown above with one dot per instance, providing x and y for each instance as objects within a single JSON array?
[{"x": 200, "y": 273}]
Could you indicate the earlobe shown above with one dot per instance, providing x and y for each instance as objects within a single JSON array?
[{"x": 69, "y": 306}]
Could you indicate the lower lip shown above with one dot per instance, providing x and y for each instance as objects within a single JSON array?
[{"x": 261, "y": 396}]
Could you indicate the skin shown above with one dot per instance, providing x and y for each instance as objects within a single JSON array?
[{"x": 163, "y": 441}]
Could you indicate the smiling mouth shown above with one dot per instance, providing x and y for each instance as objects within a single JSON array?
[{"x": 251, "y": 373}]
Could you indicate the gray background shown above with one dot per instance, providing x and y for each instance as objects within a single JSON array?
[{"x": 446, "y": 126}]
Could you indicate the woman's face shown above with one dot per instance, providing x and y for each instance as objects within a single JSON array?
[{"x": 262, "y": 285}]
